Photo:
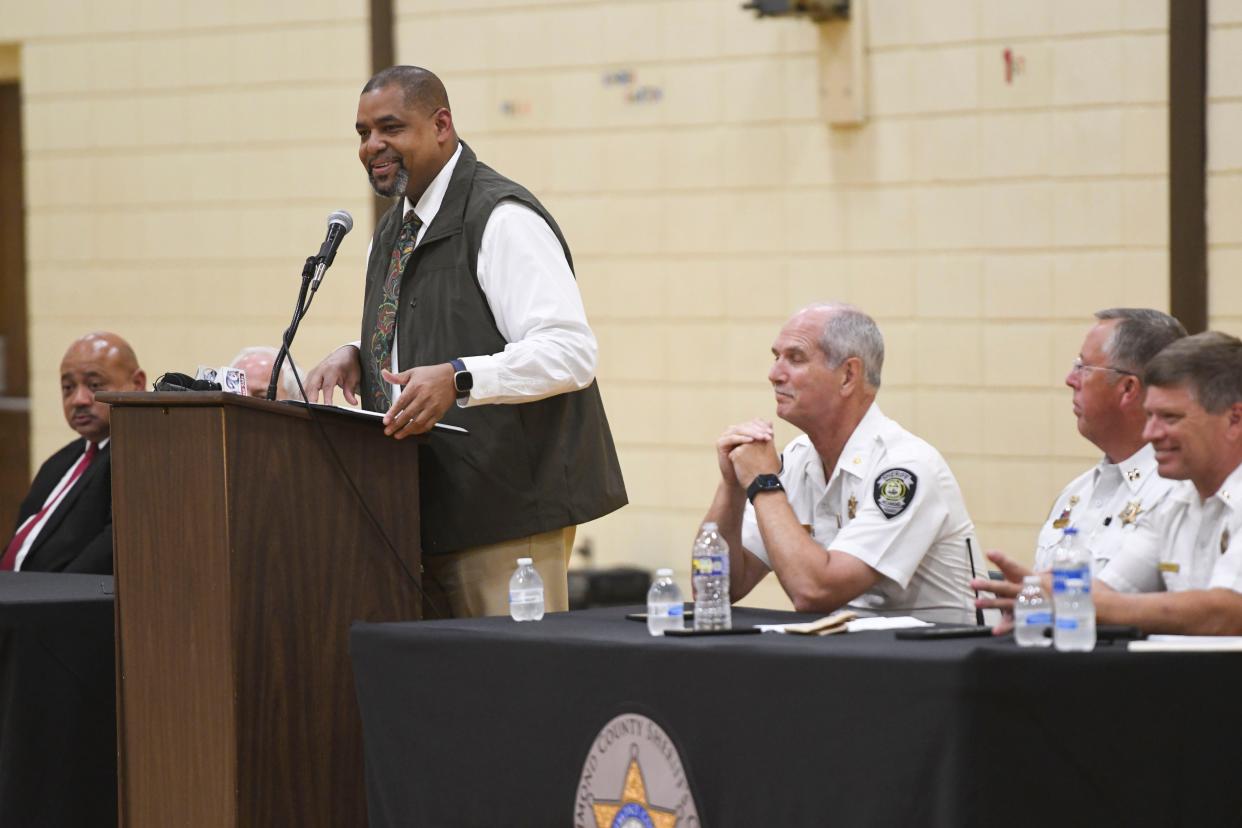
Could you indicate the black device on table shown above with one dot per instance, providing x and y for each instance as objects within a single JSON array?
[{"x": 941, "y": 632}]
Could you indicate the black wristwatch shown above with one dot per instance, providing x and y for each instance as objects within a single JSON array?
[
  {"x": 463, "y": 380},
  {"x": 763, "y": 483}
]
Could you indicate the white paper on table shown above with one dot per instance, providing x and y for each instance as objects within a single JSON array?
[
  {"x": 883, "y": 622},
  {"x": 1188, "y": 643},
  {"x": 878, "y": 622}
]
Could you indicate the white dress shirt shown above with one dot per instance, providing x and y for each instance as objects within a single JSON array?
[
  {"x": 54, "y": 498},
  {"x": 533, "y": 297},
  {"x": 921, "y": 551},
  {"x": 1107, "y": 504},
  {"x": 1196, "y": 545}
]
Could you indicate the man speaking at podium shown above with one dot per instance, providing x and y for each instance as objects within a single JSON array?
[{"x": 472, "y": 315}]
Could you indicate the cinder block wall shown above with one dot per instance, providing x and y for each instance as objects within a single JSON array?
[
  {"x": 182, "y": 158},
  {"x": 980, "y": 216},
  {"x": 1225, "y": 165}
]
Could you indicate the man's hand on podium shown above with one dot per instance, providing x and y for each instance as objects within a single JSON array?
[
  {"x": 427, "y": 392},
  {"x": 339, "y": 369}
]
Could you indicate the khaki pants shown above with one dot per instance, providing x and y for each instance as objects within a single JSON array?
[{"x": 474, "y": 582}]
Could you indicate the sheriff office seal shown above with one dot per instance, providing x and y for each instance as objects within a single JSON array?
[
  {"x": 633, "y": 778},
  {"x": 894, "y": 489}
]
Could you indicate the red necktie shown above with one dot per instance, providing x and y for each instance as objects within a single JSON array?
[{"x": 10, "y": 554}]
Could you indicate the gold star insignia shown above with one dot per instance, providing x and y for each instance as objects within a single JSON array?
[
  {"x": 634, "y": 802},
  {"x": 1130, "y": 514},
  {"x": 851, "y": 508}
]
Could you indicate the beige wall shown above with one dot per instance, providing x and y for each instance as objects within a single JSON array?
[
  {"x": 182, "y": 157},
  {"x": 980, "y": 221},
  {"x": 1225, "y": 164}
]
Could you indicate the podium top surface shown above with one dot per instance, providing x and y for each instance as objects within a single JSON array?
[
  {"x": 225, "y": 399},
  {"x": 197, "y": 399}
]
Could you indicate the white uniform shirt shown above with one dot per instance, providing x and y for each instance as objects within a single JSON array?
[
  {"x": 1107, "y": 504},
  {"x": 921, "y": 551},
  {"x": 533, "y": 297},
  {"x": 1196, "y": 544}
]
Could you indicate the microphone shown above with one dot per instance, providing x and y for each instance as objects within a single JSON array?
[{"x": 339, "y": 223}]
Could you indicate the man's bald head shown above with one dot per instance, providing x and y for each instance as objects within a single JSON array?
[{"x": 95, "y": 362}]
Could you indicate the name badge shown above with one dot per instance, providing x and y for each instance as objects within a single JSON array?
[{"x": 1170, "y": 566}]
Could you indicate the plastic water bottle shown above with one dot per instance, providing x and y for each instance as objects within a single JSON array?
[
  {"x": 1075, "y": 621},
  {"x": 664, "y": 607},
  {"x": 1070, "y": 559},
  {"x": 712, "y": 610},
  {"x": 1032, "y": 614},
  {"x": 525, "y": 593}
]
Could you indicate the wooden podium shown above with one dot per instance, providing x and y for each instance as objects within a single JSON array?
[{"x": 242, "y": 557}]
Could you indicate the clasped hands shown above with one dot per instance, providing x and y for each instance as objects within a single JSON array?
[{"x": 745, "y": 451}]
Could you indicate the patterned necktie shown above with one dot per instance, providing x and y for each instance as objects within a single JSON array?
[
  {"x": 10, "y": 554},
  {"x": 386, "y": 321}
]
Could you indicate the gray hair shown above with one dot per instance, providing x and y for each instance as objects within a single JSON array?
[
  {"x": 287, "y": 380},
  {"x": 848, "y": 332},
  {"x": 1139, "y": 335},
  {"x": 1209, "y": 364}
]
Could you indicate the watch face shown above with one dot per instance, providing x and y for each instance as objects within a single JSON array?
[
  {"x": 764, "y": 483},
  {"x": 464, "y": 381}
]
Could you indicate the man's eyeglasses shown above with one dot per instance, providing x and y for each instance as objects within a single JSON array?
[{"x": 1079, "y": 366}]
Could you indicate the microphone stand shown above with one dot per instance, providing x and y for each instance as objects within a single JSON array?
[{"x": 299, "y": 311}]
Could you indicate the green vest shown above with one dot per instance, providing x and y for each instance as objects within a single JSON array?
[{"x": 522, "y": 469}]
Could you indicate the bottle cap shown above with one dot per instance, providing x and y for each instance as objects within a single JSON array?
[
  {"x": 524, "y": 561},
  {"x": 710, "y": 526},
  {"x": 1032, "y": 579},
  {"x": 664, "y": 573}
]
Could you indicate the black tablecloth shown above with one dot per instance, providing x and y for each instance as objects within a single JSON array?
[
  {"x": 488, "y": 722},
  {"x": 57, "y": 700}
]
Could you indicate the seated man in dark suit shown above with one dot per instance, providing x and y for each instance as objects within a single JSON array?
[{"x": 65, "y": 522}]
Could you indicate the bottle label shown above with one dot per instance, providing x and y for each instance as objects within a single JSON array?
[
  {"x": 709, "y": 564},
  {"x": 1037, "y": 619},
  {"x": 1069, "y": 624},
  {"x": 526, "y": 596},
  {"x": 1060, "y": 576}
]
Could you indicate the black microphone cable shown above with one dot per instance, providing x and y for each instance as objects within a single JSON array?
[{"x": 353, "y": 487}]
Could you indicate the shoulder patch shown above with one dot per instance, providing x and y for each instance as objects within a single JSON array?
[{"x": 894, "y": 489}]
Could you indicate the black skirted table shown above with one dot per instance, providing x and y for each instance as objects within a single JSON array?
[
  {"x": 57, "y": 700},
  {"x": 486, "y": 721}
]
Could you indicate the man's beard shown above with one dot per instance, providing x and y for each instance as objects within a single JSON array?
[{"x": 397, "y": 188}]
